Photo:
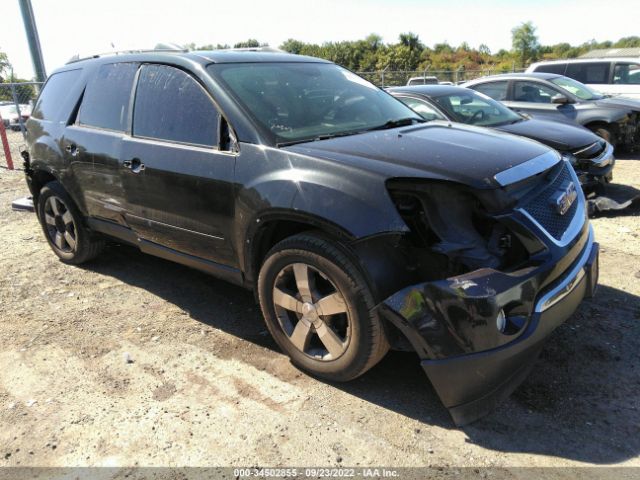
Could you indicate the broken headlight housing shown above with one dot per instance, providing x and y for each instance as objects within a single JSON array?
[{"x": 464, "y": 227}]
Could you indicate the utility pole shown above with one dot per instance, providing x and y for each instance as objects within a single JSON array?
[{"x": 34, "y": 41}]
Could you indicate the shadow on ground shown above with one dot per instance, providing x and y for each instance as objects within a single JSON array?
[
  {"x": 616, "y": 200},
  {"x": 580, "y": 402}
]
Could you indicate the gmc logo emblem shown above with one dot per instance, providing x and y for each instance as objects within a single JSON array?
[{"x": 563, "y": 199}]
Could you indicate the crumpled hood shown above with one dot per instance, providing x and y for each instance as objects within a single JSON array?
[
  {"x": 617, "y": 102},
  {"x": 438, "y": 150},
  {"x": 559, "y": 136}
]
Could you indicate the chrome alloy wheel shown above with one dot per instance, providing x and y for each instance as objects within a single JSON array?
[
  {"x": 60, "y": 225},
  {"x": 312, "y": 312}
]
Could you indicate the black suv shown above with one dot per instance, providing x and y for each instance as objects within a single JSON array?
[{"x": 360, "y": 226}]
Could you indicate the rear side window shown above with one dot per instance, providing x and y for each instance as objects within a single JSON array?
[
  {"x": 495, "y": 90},
  {"x": 596, "y": 72},
  {"x": 170, "y": 105},
  {"x": 551, "y": 68},
  {"x": 106, "y": 99},
  {"x": 55, "y": 100}
]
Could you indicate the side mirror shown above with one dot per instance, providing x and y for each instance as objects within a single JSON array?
[{"x": 560, "y": 99}]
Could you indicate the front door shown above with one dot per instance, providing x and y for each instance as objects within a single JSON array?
[
  {"x": 535, "y": 98},
  {"x": 178, "y": 183}
]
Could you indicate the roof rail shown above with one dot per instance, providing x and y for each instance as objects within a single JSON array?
[
  {"x": 253, "y": 49},
  {"x": 77, "y": 58}
]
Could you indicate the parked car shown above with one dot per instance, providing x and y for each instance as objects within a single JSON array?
[
  {"x": 591, "y": 156},
  {"x": 359, "y": 225},
  {"x": 611, "y": 76},
  {"x": 552, "y": 96},
  {"x": 423, "y": 81},
  {"x": 11, "y": 117}
]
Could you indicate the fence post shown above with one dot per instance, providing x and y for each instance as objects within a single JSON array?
[
  {"x": 5, "y": 145},
  {"x": 12, "y": 86}
]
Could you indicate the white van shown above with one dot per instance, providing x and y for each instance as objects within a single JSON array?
[{"x": 611, "y": 76}]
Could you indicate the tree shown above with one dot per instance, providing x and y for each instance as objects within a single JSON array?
[
  {"x": 525, "y": 42},
  {"x": 292, "y": 46},
  {"x": 5, "y": 66},
  {"x": 410, "y": 40},
  {"x": 251, "y": 43},
  {"x": 484, "y": 50}
]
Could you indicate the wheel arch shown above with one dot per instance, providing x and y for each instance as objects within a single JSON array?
[
  {"x": 271, "y": 227},
  {"x": 38, "y": 179}
]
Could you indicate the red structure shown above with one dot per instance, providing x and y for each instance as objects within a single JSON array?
[{"x": 5, "y": 145}]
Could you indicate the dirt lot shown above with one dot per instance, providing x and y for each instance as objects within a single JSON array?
[{"x": 207, "y": 386}]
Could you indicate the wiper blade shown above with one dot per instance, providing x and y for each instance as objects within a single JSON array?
[
  {"x": 401, "y": 122},
  {"x": 326, "y": 136}
]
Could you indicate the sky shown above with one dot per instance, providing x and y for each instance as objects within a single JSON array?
[{"x": 86, "y": 27}]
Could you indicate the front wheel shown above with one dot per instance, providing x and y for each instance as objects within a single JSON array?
[
  {"x": 605, "y": 133},
  {"x": 319, "y": 309}
]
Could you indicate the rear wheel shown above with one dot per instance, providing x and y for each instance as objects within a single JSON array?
[
  {"x": 63, "y": 226},
  {"x": 319, "y": 309}
]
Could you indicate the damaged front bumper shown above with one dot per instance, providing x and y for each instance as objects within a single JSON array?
[
  {"x": 479, "y": 334},
  {"x": 598, "y": 171}
]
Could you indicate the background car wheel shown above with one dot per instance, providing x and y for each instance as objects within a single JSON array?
[
  {"x": 63, "y": 226},
  {"x": 319, "y": 309},
  {"x": 605, "y": 133}
]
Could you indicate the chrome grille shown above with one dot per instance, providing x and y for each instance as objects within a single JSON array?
[{"x": 542, "y": 208}]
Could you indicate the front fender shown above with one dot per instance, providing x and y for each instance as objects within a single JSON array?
[
  {"x": 605, "y": 116},
  {"x": 303, "y": 188}
]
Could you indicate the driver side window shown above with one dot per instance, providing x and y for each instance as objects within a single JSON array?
[
  {"x": 532, "y": 92},
  {"x": 171, "y": 106}
]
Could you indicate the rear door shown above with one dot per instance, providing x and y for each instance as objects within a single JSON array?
[
  {"x": 178, "y": 182},
  {"x": 93, "y": 144}
]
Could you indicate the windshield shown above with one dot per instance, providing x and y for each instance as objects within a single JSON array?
[
  {"x": 299, "y": 102},
  {"x": 476, "y": 108},
  {"x": 576, "y": 88}
]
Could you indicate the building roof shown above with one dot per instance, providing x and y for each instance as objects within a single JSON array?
[{"x": 612, "y": 53}]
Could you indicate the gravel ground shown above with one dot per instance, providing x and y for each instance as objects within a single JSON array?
[{"x": 132, "y": 360}]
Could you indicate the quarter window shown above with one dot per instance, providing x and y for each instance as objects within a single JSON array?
[
  {"x": 532, "y": 92},
  {"x": 106, "y": 99},
  {"x": 170, "y": 105},
  {"x": 54, "y": 99},
  {"x": 495, "y": 90}
]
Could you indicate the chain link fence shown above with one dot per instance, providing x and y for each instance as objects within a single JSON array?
[
  {"x": 396, "y": 78},
  {"x": 16, "y": 103}
]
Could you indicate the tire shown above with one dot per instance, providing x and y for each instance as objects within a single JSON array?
[
  {"x": 605, "y": 133},
  {"x": 336, "y": 346},
  {"x": 63, "y": 226}
]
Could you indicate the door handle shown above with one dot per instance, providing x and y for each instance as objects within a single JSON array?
[{"x": 135, "y": 165}]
